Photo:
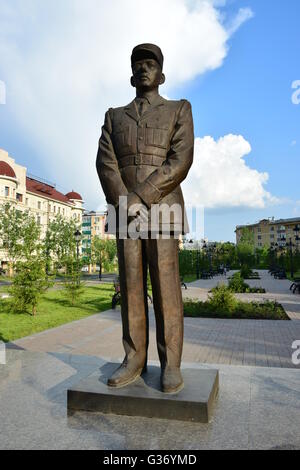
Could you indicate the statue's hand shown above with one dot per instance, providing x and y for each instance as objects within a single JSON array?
[
  {"x": 133, "y": 198},
  {"x": 136, "y": 208}
]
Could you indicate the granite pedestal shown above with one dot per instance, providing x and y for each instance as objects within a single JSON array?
[{"x": 143, "y": 397}]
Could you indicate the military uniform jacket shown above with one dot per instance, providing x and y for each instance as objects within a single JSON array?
[{"x": 149, "y": 155}]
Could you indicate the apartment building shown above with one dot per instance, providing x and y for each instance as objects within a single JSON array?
[
  {"x": 93, "y": 224},
  {"x": 39, "y": 197},
  {"x": 271, "y": 232}
]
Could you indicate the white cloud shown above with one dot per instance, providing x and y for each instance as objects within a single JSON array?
[
  {"x": 66, "y": 62},
  {"x": 220, "y": 177},
  {"x": 243, "y": 15}
]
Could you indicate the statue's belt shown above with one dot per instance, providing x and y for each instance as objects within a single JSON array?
[{"x": 140, "y": 159}]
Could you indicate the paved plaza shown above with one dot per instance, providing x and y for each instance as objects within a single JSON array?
[
  {"x": 264, "y": 343},
  {"x": 258, "y": 406}
]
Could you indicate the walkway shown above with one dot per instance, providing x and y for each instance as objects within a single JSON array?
[
  {"x": 234, "y": 342},
  {"x": 257, "y": 408}
]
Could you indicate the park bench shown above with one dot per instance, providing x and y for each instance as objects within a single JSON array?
[
  {"x": 183, "y": 284},
  {"x": 116, "y": 299},
  {"x": 117, "y": 295},
  {"x": 280, "y": 274},
  {"x": 206, "y": 275},
  {"x": 295, "y": 286}
]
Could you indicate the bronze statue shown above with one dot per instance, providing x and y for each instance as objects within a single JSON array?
[{"x": 145, "y": 152}]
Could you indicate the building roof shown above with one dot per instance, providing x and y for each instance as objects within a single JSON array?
[
  {"x": 6, "y": 170},
  {"x": 272, "y": 222},
  {"x": 74, "y": 195},
  {"x": 45, "y": 190},
  {"x": 94, "y": 214},
  {"x": 287, "y": 221}
]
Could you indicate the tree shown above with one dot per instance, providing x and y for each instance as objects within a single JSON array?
[
  {"x": 73, "y": 285},
  {"x": 60, "y": 243},
  {"x": 245, "y": 247},
  {"x": 104, "y": 252},
  {"x": 29, "y": 283},
  {"x": 19, "y": 233},
  {"x": 185, "y": 262}
]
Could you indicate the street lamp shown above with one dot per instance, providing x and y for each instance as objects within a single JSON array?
[
  {"x": 297, "y": 230},
  {"x": 209, "y": 250},
  {"x": 297, "y": 239},
  {"x": 197, "y": 260},
  {"x": 290, "y": 246},
  {"x": 77, "y": 236},
  {"x": 273, "y": 256}
]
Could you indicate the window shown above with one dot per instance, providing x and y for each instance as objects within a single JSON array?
[
  {"x": 39, "y": 205},
  {"x": 6, "y": 191},
  {"x": 259, "y": 229},
  {"x": 259, "y": 237},
  {"x": 19, "y": 197},
  {"x": 38, "y": 220},
  {"x": 26, "y": 201},
  {"x": 272, "y": 229},
  {"x": 272, "y": 236}
]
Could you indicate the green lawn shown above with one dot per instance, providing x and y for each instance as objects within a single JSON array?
[
  {"x": 53, "y": 310},
  {"x": 296, "y": 275},
  {"x": 189, "y": 278}
]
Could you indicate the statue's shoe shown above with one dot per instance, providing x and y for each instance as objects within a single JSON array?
[
  {"x": 171, "y": 380},
  {"x": 127, "y": 373}
]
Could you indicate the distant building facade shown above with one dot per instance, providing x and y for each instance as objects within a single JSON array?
[
  {"x": 93, "y": 224},
  {"x": 271, "y": 232},
  {"x": 40, "y": 198}
]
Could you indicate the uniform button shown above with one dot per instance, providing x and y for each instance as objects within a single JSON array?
[{"x": 141, "y": 137}]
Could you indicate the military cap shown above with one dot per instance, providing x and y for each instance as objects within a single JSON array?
[{"x": 147, "y": 50}]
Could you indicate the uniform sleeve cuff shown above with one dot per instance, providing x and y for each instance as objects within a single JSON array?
[{"x": 148, "y": 193}]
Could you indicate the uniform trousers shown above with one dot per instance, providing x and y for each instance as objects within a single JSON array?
[{"x": 161, "y": 256}]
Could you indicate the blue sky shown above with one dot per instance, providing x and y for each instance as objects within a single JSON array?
[
  {"x": 251, "y": 95},
  {"x": 246, "y": 93}
]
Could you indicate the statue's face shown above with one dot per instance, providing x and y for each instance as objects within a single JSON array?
[{"x": 147, "y": 74}]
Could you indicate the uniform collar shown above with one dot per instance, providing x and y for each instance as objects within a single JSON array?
[{"x": 154, "y": 101}]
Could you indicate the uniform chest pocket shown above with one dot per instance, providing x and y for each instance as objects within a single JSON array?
[
  {"x": 122, "y": 137},
  {"x": 157, "y": 136}
]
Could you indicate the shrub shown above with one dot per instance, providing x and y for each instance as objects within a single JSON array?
[
  {"x": 222, "y": 298},
  {"x": 73, "y": 286},
  {"x": 243, "y": 310},
  {"x": 237, "y": 284},
  {"x": 29, "y": 283},
  {"x": 246, "y": 272}
]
